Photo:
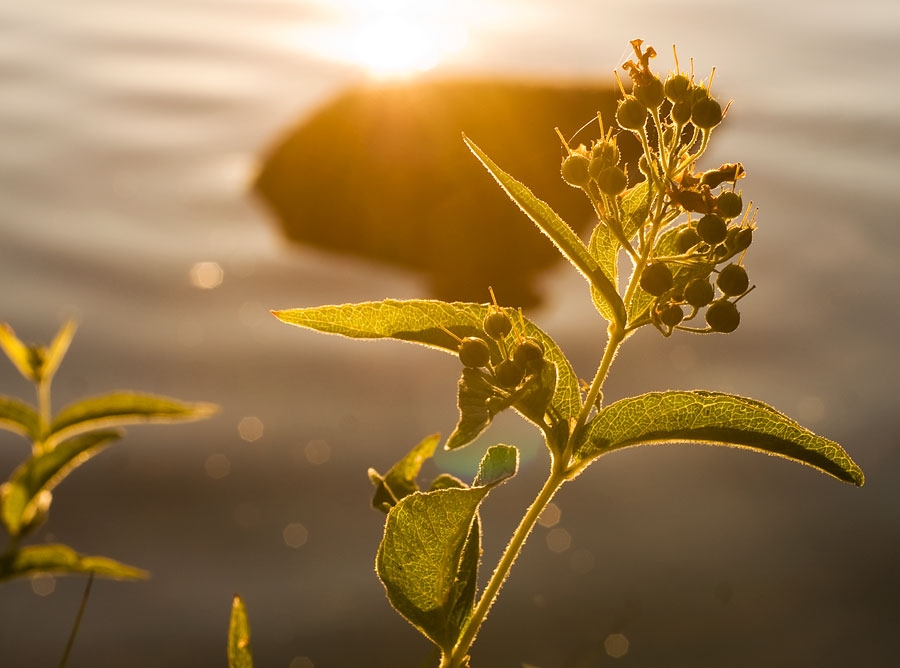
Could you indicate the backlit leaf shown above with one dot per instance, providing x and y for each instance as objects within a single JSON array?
[
  {"x": 428, "y": 558},
  {"x": 122, "y": 408},
  {"x": 19, "y": 417},
  {"x": 62, "y": 560},
  {"x": 713, "y": 418},
  {"x": 400, "y": 480},
  {"x": 239, "y": 650},
  {"x": 421, "y": 321},
  {"x": 549, "y": 222},
  {"x": 20, "y": 497},
  {"x": 19, "y": 353},
  {"x": 57, "y": 349}
]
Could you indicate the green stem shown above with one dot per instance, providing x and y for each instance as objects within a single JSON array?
[
  {"x": 78, "y": 616},
  {"x": 457, "y": 658},
  {"x": 43, "y": 397}
]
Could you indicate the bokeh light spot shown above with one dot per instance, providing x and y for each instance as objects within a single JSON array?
[
  {"x": 295, "y": 535},
  {"x": 43, "y": 584},
  {"x": 206, "y": 275},
  {"x": 551, "y": 516},
  {"x": 250, "y": 428},
  {"x": 582, "y": 561},
  {"x": 559, "y": 540},
  {"x": 217, "y": 466},
  {"x": 317, "y": 452},
  {"x": 616, "y": 645}
]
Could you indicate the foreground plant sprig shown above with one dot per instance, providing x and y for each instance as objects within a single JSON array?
[
  {"x": 686, "y": 233},
  {"x": 59, "y": 444}
]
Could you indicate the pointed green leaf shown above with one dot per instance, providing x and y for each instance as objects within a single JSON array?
[
  {"x": 21, "y": 496},
  {"x": 478, "y": 403},
  {"x": 19, "y": 417},
  {"x": 549, "y": 222},
  {"x": 428, "y": 558},
  {"x": 423, "y": 321},
  {"x": 18, "y": 352},
  {"x": 713, "y": 418},
  {"x": 400, "y": 480},
  {"x": 63, "y": 560},
  {"x": 122, "y": 408},
  {"x": 57, "y": 349},
  {"x": 239, "y": 650}
]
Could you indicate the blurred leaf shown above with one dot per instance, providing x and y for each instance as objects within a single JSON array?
[
  {"x": 62, "y": 559},
  {"x": 122, "y": 408},
  {"x": 20, "y": 496},
  {"x": 562, "y": 235},
  {"x": 239, "y": 651},
  {"x": 716, "y": 419},
  {"x": 19, "y": 417},
  {"x": 400, "y": 480},
  {"x": 19, "y": 354},
  {"x": 421, "y": 321},
  {"x": 57, "y": 349},
  {"x": 428, "y": 558}
]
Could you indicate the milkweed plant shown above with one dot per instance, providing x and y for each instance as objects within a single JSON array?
[{"x": 686, "y": 233}]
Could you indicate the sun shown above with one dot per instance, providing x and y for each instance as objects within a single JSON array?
[{"x": 392, "y": 38}]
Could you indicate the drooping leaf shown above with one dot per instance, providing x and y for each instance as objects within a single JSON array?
[
  {"x": 423, "y": 321},
  {"x": 122, "y": 408},
  {"x": 428, "y": 558},
  {"x": 19, "y": 417},
  {"x": 239, "y": 650},
  {"x": 63, "y": 560},
  {"x": 400, "y": 480},
  {"x": 20, "y": 497},
  {"x": 549, "y": 222},
  {"x": 478, "y": 403},
  {"x": 713, "y": 418}
]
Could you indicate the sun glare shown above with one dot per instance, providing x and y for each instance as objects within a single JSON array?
[{"x": 392, "y": 39}]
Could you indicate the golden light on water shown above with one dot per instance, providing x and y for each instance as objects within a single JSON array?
[{"x": 392, "y": 38}]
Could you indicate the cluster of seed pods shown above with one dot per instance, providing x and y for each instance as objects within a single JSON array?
[{"x": 522, "y": 356}]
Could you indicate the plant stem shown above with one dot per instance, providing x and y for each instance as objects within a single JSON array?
[
  {"x": 43, "y": 397},
  {"x": 84, "y": 600},
  {"x": 457, "y": 657}
]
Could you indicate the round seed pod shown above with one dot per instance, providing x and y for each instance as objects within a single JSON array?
[
  {"x": 574, "y": 170},
  {"x": 497, "y": 325},
  {"x": 650, "y": 93},
  {"x": 729, "y": 205},
  {"x": 605, "y": 150},
  {"x": 529, "y": 354},
  {"x": 686, "y": 239},
  {"x": 681, "y": 112},
  {"x": 738, "y": 239},
  {"x": 474, "y": 352},
  {"x": 712, "y": 229},
  {"x": 657, "y": 279},
  {"x": 631, "y": 114},
  {"x": 509, "y": 374},
  {"x": 671, "y": 315},
  {"x": 677, "y": 87},
  {"x": 733, "y": 280},
  {"x": 612, "y": 180},
  {"x": 698, "y": 292},
  {"x": 723, "y": 316},
  {"x": 706, "y": 114}
]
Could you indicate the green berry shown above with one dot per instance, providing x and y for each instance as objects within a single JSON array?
[
  {"x": 474, "y": 352},
  {"x": 671, "y": 315},
  {"x": 729, "y": 205},
  {"x": 612, "y": 180},
  {"x": 650, "y": 93},
  {"x": 529, "y": 354},
  {"x": 677, "y": 87},
  {"x": 738, "y": 239},
  {"x": 706, "y": 114},
  {"x": 509, "y": 374},
  {"x": 733, "y": 280},
  {"x": 686, "y": 239},
  {"x": 575, "y": 170},
  {"x": 723, "y": 316},
  {"x": 681, "y": 112},
  {"x": 657, "y": 279},
  {"x": 497, "y": 325},
  {"x": 631, "y": 114},
  {"x": 698, "y": 292},
  {"x": 712, "y": 229}
]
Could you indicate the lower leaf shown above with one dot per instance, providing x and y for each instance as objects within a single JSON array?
[{"x": 62, "y": 559}]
